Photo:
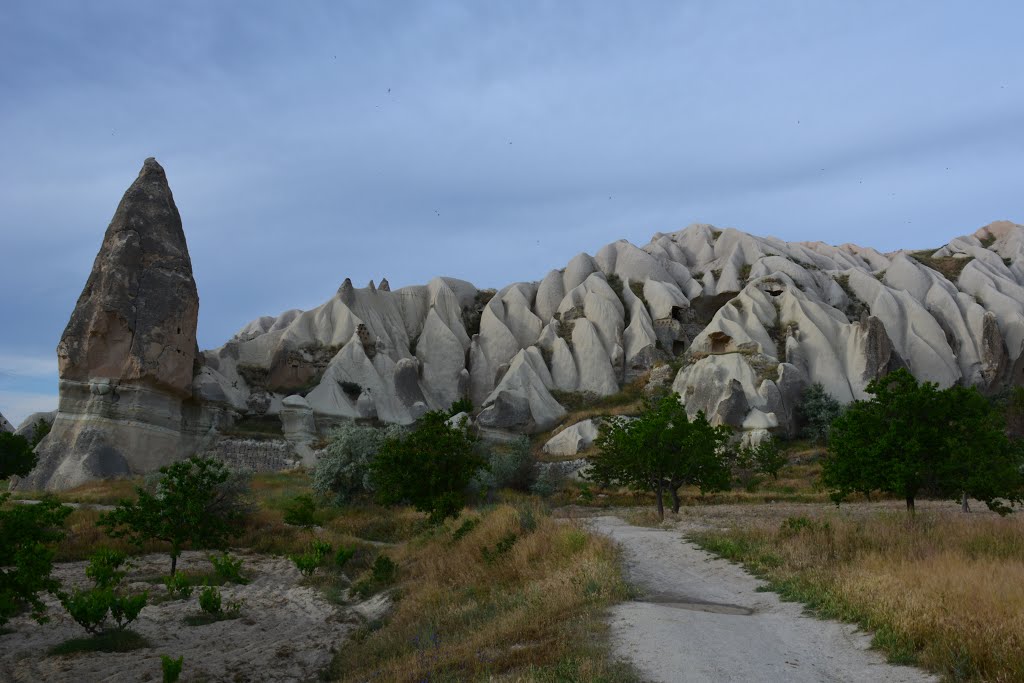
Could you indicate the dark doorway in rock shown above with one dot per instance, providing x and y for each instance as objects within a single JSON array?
[
  {"x": 719, "y": 341},
  {"x": 678, "y": 347}
]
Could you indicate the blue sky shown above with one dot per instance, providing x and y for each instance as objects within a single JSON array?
[{"x": 309, "y": 142}]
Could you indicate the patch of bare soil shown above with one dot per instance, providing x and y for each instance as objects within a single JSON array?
[{"x": 286, "y": 631}]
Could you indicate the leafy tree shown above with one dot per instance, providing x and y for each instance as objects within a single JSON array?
[
  {"x": 818, "y": 410},
  {"x": 16, "y": 456},
  {"x": 196, "y": 502},
  {"x": 27, "y": 533},
  {"x": 343, "y": 472},
  {"x": 430, "y": 467},
  {"x": 662, "y": 450},
  {"x": 912, "y": 438}
]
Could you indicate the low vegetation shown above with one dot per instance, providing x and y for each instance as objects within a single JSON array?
[
  {"x": 512, "y": 595},
  {"x": 941, "y": 590}
]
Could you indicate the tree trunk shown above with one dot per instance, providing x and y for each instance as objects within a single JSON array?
[
  {"x": 910, "y": 504},
  {"x": 963, "y": 503},
  {"x": 661, "y": 501},
  {"x": 675, "y": 500},
  {"x": 174, "y": 563}
]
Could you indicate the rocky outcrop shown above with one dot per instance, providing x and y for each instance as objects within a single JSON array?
[
  {"x": 30, "y": 424},
  {"x": 5, "y": 426},
  {"x": 573, "y": 439},
  {"x": 737, "y": 324},
  {"x": 128, "y": 355}
]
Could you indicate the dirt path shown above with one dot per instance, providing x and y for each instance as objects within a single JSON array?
[
  {"x": 287, "y": 631},
  {"x": 700, "y": 618}
]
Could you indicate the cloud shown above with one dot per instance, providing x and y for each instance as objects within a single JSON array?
[{"x": 15, "y": 366}]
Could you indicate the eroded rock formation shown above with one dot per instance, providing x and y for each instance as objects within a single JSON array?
[
  {"x": 5, "y": 426},
  {"x": 738, "y": 325},
  {"x": 128, "y": 355}
]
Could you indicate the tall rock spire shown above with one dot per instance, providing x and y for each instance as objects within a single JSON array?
[{"x": 128, "y": 354}]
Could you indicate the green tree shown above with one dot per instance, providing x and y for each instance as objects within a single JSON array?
[
  {"x": 429, "y": 467},
  {"x": 16, "y": 456},
  {"x": 912, "y": 438},
  {"x": 818, "y": 410},
  {"x": 750, "y": 461},
  {"x": 27, "y": 534},
  {"x": 661, "y": 451},
  {"x": 196, "y": 502}
]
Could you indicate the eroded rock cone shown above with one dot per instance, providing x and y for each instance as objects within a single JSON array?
[{"x": 127, "y": 356}]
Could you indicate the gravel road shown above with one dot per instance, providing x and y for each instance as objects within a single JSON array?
[{"x": 700, "y": 618}]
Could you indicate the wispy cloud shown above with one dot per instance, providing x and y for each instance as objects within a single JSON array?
[{"x": 16, "y": 366}]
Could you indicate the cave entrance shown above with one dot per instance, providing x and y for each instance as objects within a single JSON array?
[{"x": 719, "y": 341}]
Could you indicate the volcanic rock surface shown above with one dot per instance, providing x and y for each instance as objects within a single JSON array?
[
  {"x": 128, "y": 354},
  {"x": 738, "y": 325},
  {"x": 750, "y": 320},
  {"x": 5, "y": 426}
]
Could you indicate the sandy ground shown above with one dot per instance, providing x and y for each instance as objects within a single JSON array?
[
  {"x": 287, "y": 632},
  {"x": 699, "y": 618}
]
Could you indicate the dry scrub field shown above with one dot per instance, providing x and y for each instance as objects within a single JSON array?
[{"x": 503, "y": 593}]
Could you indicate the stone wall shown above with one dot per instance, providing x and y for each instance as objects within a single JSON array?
[{"x": 254, "y": 455}]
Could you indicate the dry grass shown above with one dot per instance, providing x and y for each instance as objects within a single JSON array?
[
  {"x": 943, "y": 590},
  {"x": 949, "y": 267},
  {"x": 531, "y": 612},
  {"x": 101, "y": 492}
]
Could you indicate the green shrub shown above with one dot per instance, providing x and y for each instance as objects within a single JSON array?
[
  {"x": 384, "y": 570},
  {"x": 301, "y": 511},
  {"x": 509, "y": 466},
  {"x": 504, "y": 544},
  {"x": 342, "y": 472},
  {"x": 171, "y": 668},
  {"x": 90, "y": 608},
  {"x": 463, "y": 529},
  {"x": 178, "y": 586},
  {"x": 463, "y": 405},
  {"x": 228, "y": 568},
  {"x": 430, "y": 467},
  {"x": 210, "y": 600},
  {"x": 39, "y": 432},
  {"x": 308, "y": 562},
  {"x": 344, "y": 554}
]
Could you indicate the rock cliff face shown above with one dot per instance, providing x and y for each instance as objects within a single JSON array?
[
  {"x": 128, "y": 354},
  {"x": 5, "y": 426},
  {"x": 750, "y": 320}
]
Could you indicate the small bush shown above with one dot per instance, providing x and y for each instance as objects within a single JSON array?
[
  {"x": 384, "y": 570},
  {"x": 171, "y": 668},
  {"x": 178, "y": 586},
  {"x": 463, "y": 529},
  {"x": 301, "y": 511},
  {"x": 509, "y": 466},
  {"x": 344, "y": 554},
  {"x": 90, "y": 608},
  {"x": 463, "y": 405},
  {"x": 308, "y": 562},
  {"x": 210, "y": 600},
  {"x": 342, "y": 473},
  {"x": 228, "y": 568},
  {"x": 793, "y": 526},
  {"x": 214, "y": 608},
  {"x": 504, "y": 544}
]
